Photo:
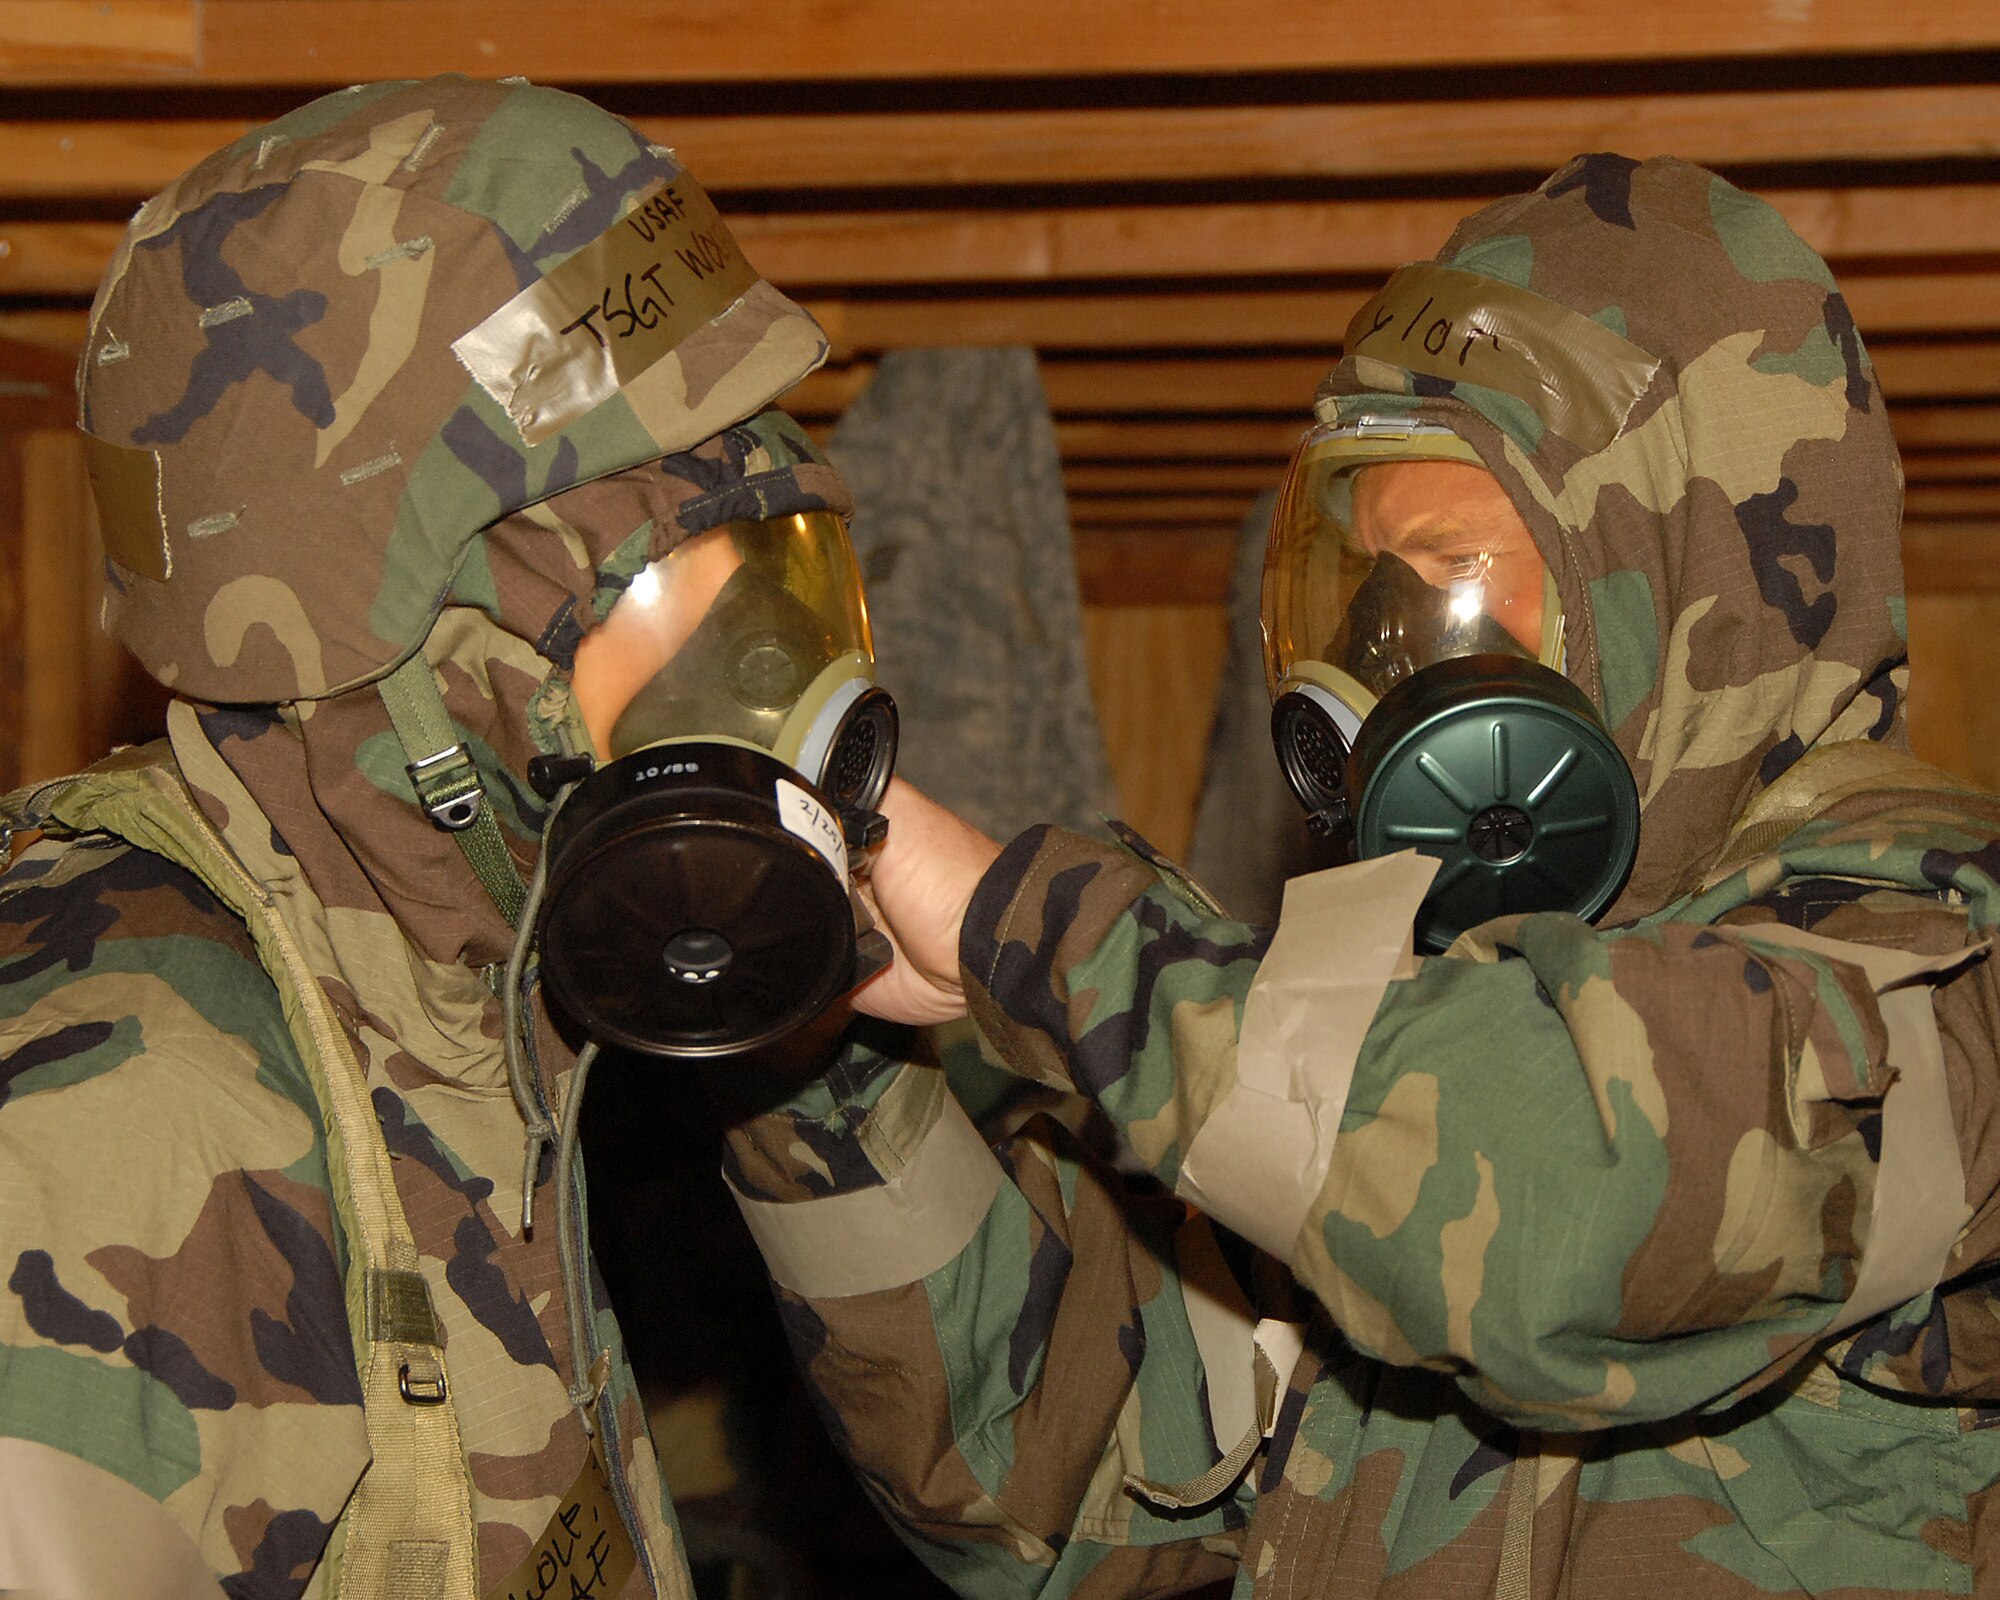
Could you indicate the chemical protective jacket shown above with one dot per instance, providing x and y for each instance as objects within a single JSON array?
[
  {"x": 1583, "y": 1259},
  {"x": 1646, "y": 1257},
  {"x": 271, "y": 1326}
]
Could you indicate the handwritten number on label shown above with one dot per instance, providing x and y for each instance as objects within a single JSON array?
[{"x": 1436, "y": 335}]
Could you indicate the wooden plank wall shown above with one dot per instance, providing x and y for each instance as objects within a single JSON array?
[{"x": 1178, "y": 203}]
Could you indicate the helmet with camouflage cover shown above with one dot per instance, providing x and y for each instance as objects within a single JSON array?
[{"x": 332, "y": 353}]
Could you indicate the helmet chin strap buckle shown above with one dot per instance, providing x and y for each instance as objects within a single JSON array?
[{"x": 448, "y": 788}]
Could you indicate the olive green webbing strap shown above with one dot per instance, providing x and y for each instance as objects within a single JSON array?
[
  {"x": 1515, "y": 1579},
  {"x": 407, "y": 1533},
  {"x": 1219, "y": 1479},
  {"x": 447, "y": 782}
]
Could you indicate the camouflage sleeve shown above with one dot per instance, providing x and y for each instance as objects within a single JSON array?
[
  {"x": 996, "y": 1338},
  {"x": 178, "y": 1398},
  {"x": 1599, "y": 1177}
]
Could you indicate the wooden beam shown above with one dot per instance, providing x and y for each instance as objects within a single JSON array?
[
  {"x": 1951, "y": 557},
  {"x": 13, "y": 602},
  {"x": 1153, "y": 477},
  {"x": 1359, "y": 236},
  {"x": 55, "y": 257},
  {"x": 58, "y": 330},
  {"x": 829, "y": 391},
  {"x": 1920, "y": 427},
  {"x": 1936, "y": 371},
  {"x": 1166, "y": 144},
  {"x": 1281, "y": 384},
  {"x": 1159, "y": 510},
  {"x": 37, "y": 387},
  {"x": 1131, "y": 320},
  {"x": 1126, "y": 567},
  {"x": 1154, "y": 671},
  {"x": 1936, "y": 467},
  {"x": 349, "y": 41},
  {"x": 1922, "y": 302},
  {"x": 1167, "y": 441},
  {"x": 1883, "y": 305},
  {"x": 1926, "y": 500},
  {"x": 98, "y": 40},
  {"x": 1128, "y": 242}
]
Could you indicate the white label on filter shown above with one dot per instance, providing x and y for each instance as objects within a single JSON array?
[{"x": 812, "y": 822}]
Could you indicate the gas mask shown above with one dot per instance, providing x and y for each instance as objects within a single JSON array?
[
  {"x": 1413, "y": 647},
  {"x": 699, "y": 901}
]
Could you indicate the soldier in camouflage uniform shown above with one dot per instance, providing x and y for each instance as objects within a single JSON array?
[
  {"x": 1650, "y": 1256},
  {"x": 401, "y": 388}
]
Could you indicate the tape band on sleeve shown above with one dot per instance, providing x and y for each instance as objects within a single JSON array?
[
  {"x": 894, "y": 1233},
  {"x": 1919, "y": 1206},
  {"x": 1258, "y": 1163}
]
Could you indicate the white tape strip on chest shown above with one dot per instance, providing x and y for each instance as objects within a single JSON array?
[
  {"x": 892, "y": 1234},
  {"x": 1919, "y": 1206},
  {"x": 1258, "y": 1162}
]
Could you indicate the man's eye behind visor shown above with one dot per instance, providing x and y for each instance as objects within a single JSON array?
[{"x": 1392, "y": 548}]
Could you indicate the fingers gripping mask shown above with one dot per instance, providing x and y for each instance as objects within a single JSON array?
[
  {"x": 699, "y": 901},
  {"x": 1413, "y": 647}
]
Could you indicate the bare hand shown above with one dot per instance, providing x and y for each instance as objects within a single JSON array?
[{"x": 918, "y": 886}]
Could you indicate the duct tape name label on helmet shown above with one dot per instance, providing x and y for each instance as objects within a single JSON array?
[
  {"x": 624, "y": 301},
  {"x": 812, "y": 822},
  {"x": 1581, "y": 378}
]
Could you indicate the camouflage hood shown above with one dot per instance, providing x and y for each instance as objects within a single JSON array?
[
  {"x": 1669, "y": 384},
  {"x": 329, "y": 774}
]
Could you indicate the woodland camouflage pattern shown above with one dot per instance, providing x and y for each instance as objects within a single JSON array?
[
  {"x": 1599, "y": 1193},
  {"x": 175, "y": 1259},
  {"x": 277, "y": 326}
]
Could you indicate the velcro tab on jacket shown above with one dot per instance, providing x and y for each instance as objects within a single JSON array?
[{"x": 399, "y": 1308}]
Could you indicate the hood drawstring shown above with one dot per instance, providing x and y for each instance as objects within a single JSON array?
[{"x": 539, "y": 1132}]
